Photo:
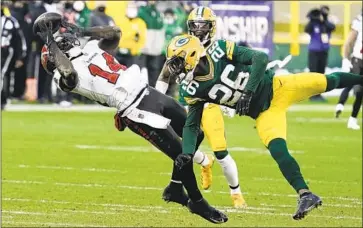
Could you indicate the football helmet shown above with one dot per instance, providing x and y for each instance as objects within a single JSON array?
[
  {"x": 183, "y": 54},
  {"x": 202, "y": 24}
]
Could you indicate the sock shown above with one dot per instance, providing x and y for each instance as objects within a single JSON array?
[
  {"x": 201, "y": 158},
  {"x": 235, "y": 190},
  {"x": 287, "y": 164},
  {"x": 190, "y": 183},
  {"x": 338, "y": 80},
  {"x": 230, "y": 171},
  {"x": 357, "y": 103}
]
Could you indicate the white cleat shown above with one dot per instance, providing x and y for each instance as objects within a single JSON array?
[
  {"x": 338, "y": 110},
  {"x": 353, "y": 123}
]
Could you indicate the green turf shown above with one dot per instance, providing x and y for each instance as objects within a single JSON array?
[{"x": 48, "y": 181}]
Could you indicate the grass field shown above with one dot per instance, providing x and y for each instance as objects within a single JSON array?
[{"x": 75, "y": 169}]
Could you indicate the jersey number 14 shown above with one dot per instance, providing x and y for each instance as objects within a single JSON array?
[{"x": 114, "y": 66}]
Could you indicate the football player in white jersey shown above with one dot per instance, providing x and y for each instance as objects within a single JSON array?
[
  {"x": 94, "y": 73},
  {"x": 352, "y": 50}
]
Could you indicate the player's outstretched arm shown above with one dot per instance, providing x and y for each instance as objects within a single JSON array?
[
  {"x": 64, "y": 66},
  {"x": 162, "y": 84},
  {"x": 110, "y": 36}
]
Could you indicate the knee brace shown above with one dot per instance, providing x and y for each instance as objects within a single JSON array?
[{"x": 221, "y": 154}]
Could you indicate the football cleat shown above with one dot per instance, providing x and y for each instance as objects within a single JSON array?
[
  {"x": 176, "y": 194},
  {"x": 353, "y": 123},
  {"x": 338, "y": 110},
  {"x": 204, "y": 210},
  {"x": 238, "y": 201},
  {"x": 206, "y": 174},
  {"x": 307, "y": 202}
]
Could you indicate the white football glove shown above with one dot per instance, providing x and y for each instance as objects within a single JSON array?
[
  {"x": 228, "y": 111},
  {"x": 346, "y": 65}
]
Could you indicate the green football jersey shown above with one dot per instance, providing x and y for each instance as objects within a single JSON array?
[{"x": 231, "y": 71}]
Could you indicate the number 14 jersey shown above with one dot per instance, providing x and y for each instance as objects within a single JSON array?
[
  {"x": 229, "y": 71},
  {"x": 102, "y": 79}
]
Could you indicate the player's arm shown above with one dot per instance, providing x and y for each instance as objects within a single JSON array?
[
  {"x": 191, "y": 127},
  {"x": 348, "y": 46},
  {"x": 110, "y": 36},
  {"x": 257, "y": 59},
  {"x": 64, "y": 66},
  {"x": 164, "y": 78}
]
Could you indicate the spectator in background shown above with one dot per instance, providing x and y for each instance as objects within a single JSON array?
[
  {"x": 20, "y": 11},
  {"x": 319, "y": 28},
  {"x": 83, "y": 13},
  {"x": 13, "y": 51},
  {"x": 99, "y": 17},
  {"x": 35, "y": 69},
  {"x": 155, "y": 39},
  {"x": 172, "y": 28},
  {"x": 133, "y": 37}
]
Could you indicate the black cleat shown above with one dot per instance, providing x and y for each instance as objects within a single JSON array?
[
  {"x": 204, "y": 210},
  {"x": 337, "y": 113},
  {"x": 307, "y": 202},
  {"x": 176, "y": 194}
]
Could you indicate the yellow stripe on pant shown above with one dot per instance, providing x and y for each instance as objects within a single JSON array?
[
  {"x": 287, "y": 90},
  {"x": 213, "y": 126}
]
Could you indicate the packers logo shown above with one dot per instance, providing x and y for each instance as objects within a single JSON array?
[{"x": 182, "y": 42}]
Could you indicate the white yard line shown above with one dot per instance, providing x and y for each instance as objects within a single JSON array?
[
  {"x": 99, "y": 108},
  {"x": 49, "y": 224},
  {"x": 309, "y": 180},
  {"x": 325, "y": 205},
  {"x": 228, "y": 210},
  {"x": 95, "y": 185},
  {"x": 147, "y": 149},
  {"x": 72, "y": 168}
]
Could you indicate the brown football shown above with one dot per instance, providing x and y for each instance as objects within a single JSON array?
[{"x": 54, "y": 18}]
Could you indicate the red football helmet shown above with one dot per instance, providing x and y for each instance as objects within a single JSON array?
[{"x": 46, "y": 61}]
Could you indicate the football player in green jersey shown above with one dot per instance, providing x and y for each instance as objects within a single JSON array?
[{"x": 236, "y": 77}]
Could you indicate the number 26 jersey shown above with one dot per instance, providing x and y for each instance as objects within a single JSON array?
[
  {"x": 102, "y": 79},
  {"x": 229, "y": 71}
]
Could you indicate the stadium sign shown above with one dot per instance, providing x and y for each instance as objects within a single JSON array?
[{"x": 245, "y": 21}]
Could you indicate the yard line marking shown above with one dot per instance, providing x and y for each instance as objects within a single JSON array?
[
  {"x": 147, "y": 149},
  {"x": 320, "y": 120},
  {"x": 286, "y": 214},
  {"x": 51, "y": 224},
  {"x": 72, "y": 168},
  {"x": 99, "y": 108},
  {"x": 308, "y": 180},
  {"x": 158, "y": 188},
  {"x": 249, "y": 210},
  {"x": 325, "y": 205}
]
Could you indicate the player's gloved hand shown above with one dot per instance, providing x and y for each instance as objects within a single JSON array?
[
  {"x": 182, "y": 160},
  {"x": 119, "y": 122},
  {"x": 72, "y": 28},
  {"x": 346, "y": 65},
  {"x": 228, "y": 111},
  {"x": 46, "y": 33},
  {"x": 243, "y": 104}
]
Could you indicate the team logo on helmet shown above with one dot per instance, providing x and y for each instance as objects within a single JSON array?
[{"x": 181, "y": 42}]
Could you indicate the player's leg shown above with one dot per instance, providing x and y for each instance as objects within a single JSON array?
[
  {"x": 213, "y": 126},
  {"x": 271, "y": 127},
  {"x": 169, "y": 142},
  {"x": 177, "y": 114},
  {"x": 342, "y": 99},
  {"x": 353, "y": 122}
]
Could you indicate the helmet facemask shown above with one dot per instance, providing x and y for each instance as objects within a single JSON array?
[
  {"x": 201, "y": 29},
  {"x": 67, "y": 41}
]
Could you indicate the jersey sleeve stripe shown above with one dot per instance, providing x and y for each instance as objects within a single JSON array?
[{"x": 230, "y": 48}]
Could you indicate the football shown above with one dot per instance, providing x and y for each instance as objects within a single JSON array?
[{"x": 54, "y": 18}]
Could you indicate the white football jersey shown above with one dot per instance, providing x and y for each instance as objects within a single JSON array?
[
  {"x": 357, "y": 26},
  {"x": 102, "y": 79}
]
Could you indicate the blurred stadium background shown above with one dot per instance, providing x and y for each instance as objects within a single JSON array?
[{"x": 64, "y": 164}]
